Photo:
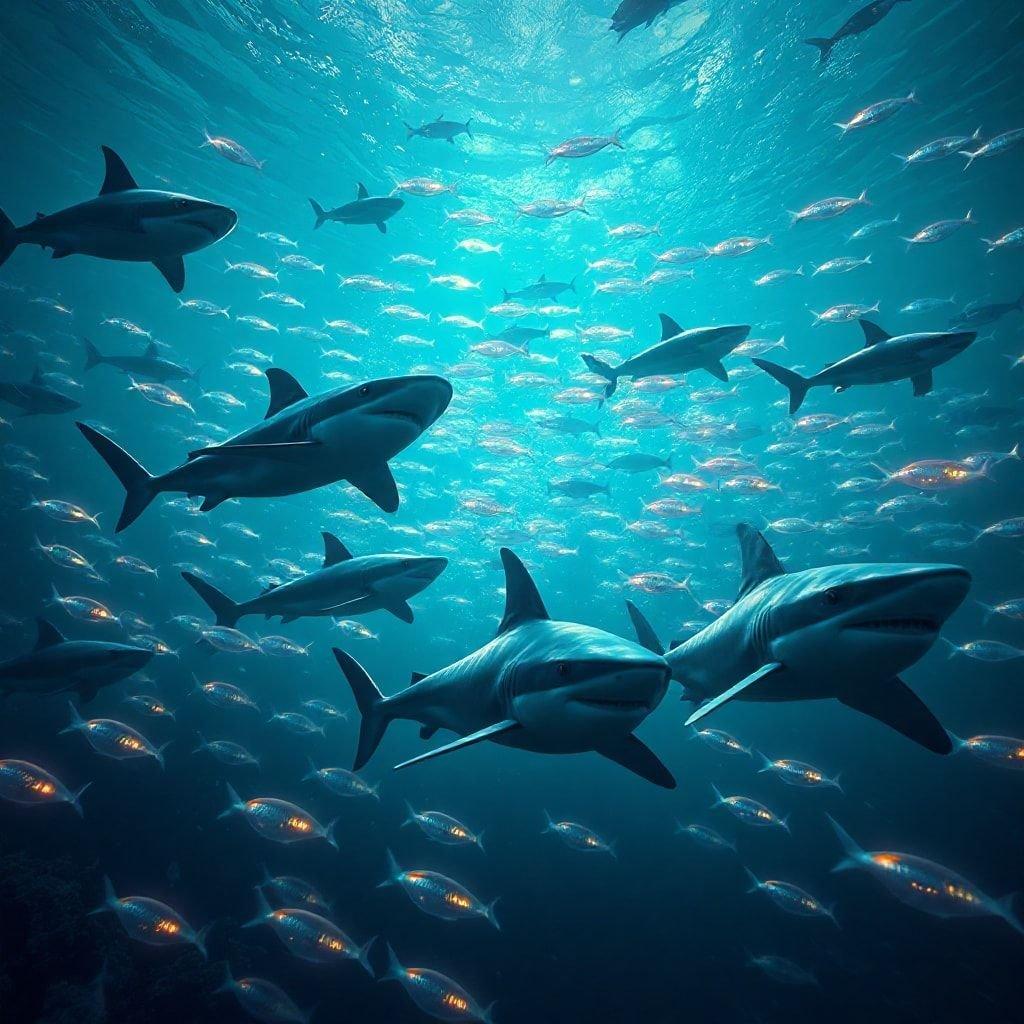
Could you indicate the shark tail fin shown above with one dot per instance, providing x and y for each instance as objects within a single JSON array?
[
  {"x": 138, "y": 484},
  {"x": 797, "y": 385},
  {"x": 220, "y": 604},
  {"x": 93, "y": 356},
  {"x": 318, "y": 211},
  {"x": 824, "y": 49},
  {"x": 371, "y": 703},
  {"x": 8, "y": 237},
  {"x": 602, "y": 369}
]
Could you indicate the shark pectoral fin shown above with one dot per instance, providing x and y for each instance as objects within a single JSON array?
[
  {"x": 400, "y": 609},
  {"x": 382, "y": 227},
  {"x": 634, "y": 755},
  {"x": 426, "y": 731},
  {"x": 173, "y": 269},
  {"x": 284, "y": 450},
  {"x": 734, "y": 691},
  {"x": 893, "y": 703},
  {"x": 489, "y": 733},
  {"x": 378, "y": 485},
  {"x": 87, "y": 691},
  {"x": 716, "y": 369},
  {"x": 922, "y": 383}
]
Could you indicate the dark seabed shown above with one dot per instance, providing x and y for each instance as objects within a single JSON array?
[{"x": 726, "y": 122}]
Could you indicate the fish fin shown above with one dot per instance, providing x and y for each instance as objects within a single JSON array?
[
  {"x": 49, "y": 634},
  {"x": 645, "y": 635},
  {"x": 922, "y": 383},
  {"x": 873, "y": 334},
  {"x": 361, "y": 192},
  {"x": 278, "y": 450},
  {"x": 487, "y": 733},
  {"x": 117, "y": 177},
  {"x": 285, "y": 390},
  {"x": 523, "y": 602},
  {"x": 140, "y": 488},
  {"x": 602, "y": 369},
  {"x": 797, "y": 385},
  {"x": 426, "y": 731},
  {"x": 382, "y": 227},
  {"x": 669, "y": 328},
  {"x": 634, "y": 755},
  {"x": 824, "y": 48},
  {"x": 211, "y": 501},
  {"x": 152, "y": 351},
  {"x": 8, "y": 237},
  {"x": 893, "y": 703},
  {"x": 372, "y": 706},
  {"x": 400, "y": 609},
  {"x": 378, "y": 485},
  {"x": 734, "y": 691},
  {"x": 718, "y": 371},
  {"x": 319, "y": 213},
  {"x": 225, "y": 611},
  {"x": 759, "y": 561},
  {"x": 173, "y": 269},
  {"x": 417, "y": 677},
  {"x": 334, "y": 550}
]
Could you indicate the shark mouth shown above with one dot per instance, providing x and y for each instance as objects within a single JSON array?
[
  {"x": 904, "y": 625},
  {"x": 614, "y": 704},
  {"x": 402, "y": 414}
]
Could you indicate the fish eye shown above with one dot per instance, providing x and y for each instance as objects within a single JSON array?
[
  {"x": 562, "y": 668},
  {"x": 406, "y": 563},
  {"x": 181, "y": 204},
  {"x": 365, "y": 389},
  {"x": 832, "y": 596}
]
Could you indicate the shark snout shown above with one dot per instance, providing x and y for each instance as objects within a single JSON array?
[
  {"x": 420, "y": 399},
  {"x": 428, "y": 568},
  {"x": 913, "y": 598},
  {"x": 215, "y": 219}
]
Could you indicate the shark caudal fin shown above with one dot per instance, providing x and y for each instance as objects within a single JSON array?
[
  {"x": 824, "y": 48},
  {"x": 798, "y": 386},
  {"x": 371, "y": 703},
  {"x": 93, "y": 356},
  {"x": 138, "y": 484},
  {"x": 226, "y": 610},
  {"x": 319, "y": 212},
  {"x": 8, "y": 237},
  {"x": 602, "y": 369}
]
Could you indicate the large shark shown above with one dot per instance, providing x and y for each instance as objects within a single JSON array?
[
  {"x": 343, "y": 586},
  {"x": 364, "y": 209},
  {"x": 303, "y": 443},
  {"x": 541, "y": 685},
  {"x": 56, "y": 664},
  {"x": 883, "y": 359},
  {"x": 125, "y": 222},
  {"x": 150, "y": 364},
  {"x": 679, "y": 351},
  {"x": 36, "y": 398},
  {"x": 630, "y": 14},
  {"x": 840, "y": 631}
]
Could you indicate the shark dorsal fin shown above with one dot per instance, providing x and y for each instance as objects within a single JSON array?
[
  {"x": 522, "y": 599},
  {"x": 49, "y": 634},
  {"x": 759, "y": 561},
  {"x": 152, "y": 351},
  {"x": 334, "y": 550},
  {"x": 440, "y": 117},
  {"x": 285, "y": 390},
  {"x": 542, "y": 279},
  {"x": 37, "y": 375},
  {"x": 873, "y": 334},
  {"x": 416, "y": 677},
  {"x": 669, "y": 328},
  {"x": 117, "y": 178},
  {"x": 361, "y": 192},
  {"x": 645, "y": 635}
]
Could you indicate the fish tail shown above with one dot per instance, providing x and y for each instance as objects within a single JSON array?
[
  {"x": 395, "y": 971},
  {"x": 140, "y": 487},
  {"x": 602, "y": 369},
  {"x": 318, "y": 210},
  {"x": 824, "y": 47},
  {"x": 93, "y": 356},
  {"x": 76, "y": 799},
  {"x": 362, "y": 955},
  {"x": 489, "y": 914},
  {"x": 9, "y": 240},
  {"x": 409, "y": 130},
  {"x": 224, "y": 609},
  {"x": 854, "y": 854},
  {"x": 466, "y": 126},
  {"x": 371, "y": 703},
  {"x": 797, "y": 385}
]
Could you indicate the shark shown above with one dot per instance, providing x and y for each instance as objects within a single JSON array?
[
  {"x": 841, "y": 632},
  {"x": 36, "y": 398},
  {"x": 344, "y": 585},
  {"x": 57, "y": 665},
  {"x": 883, "y": 359},
  {"x": 304, "y": 442},
  {"x": 679, "y": 351},
  {"x": 540, "y": 685},
  {"x": 364, "y": 209},
  {"x": 125, "y": 222},
  {"x": 150, "y": 364},
  {"x": 439, "y": 128},
  {"x": 631, "y": 14}
]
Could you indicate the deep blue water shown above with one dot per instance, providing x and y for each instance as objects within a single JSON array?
[{"x": 727, "y": 123}]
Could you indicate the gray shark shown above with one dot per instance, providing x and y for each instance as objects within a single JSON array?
[
  {"x": 56, "y": 665},
  {"x": 867, "y": 17},
  {"x": 439, "y": 129},
  {"x": 679, "y": 351},
  {"x": 343, "y": 586},
  {"x": 882, "y": 360},
  {"x": 34, "y": 398},
  {"x": 540, "y": 685},
  {"x": 150, "y": 364},
  {"x": 840, "y": 631},
  {"x": 303, "y": 443},
  {"x": 542, "y": 288},
  {"x": 125, "y": 222},
  {"x": 364, "y": 209}
]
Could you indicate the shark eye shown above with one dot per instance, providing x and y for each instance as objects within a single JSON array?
[
  {"x": 181, "y": 204},
  {"x": 562, "y": 668},
  {"x": 365, "y": 389},
  {"x": 832, "y": 597},
  {"x": 406, "y": 563}
]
